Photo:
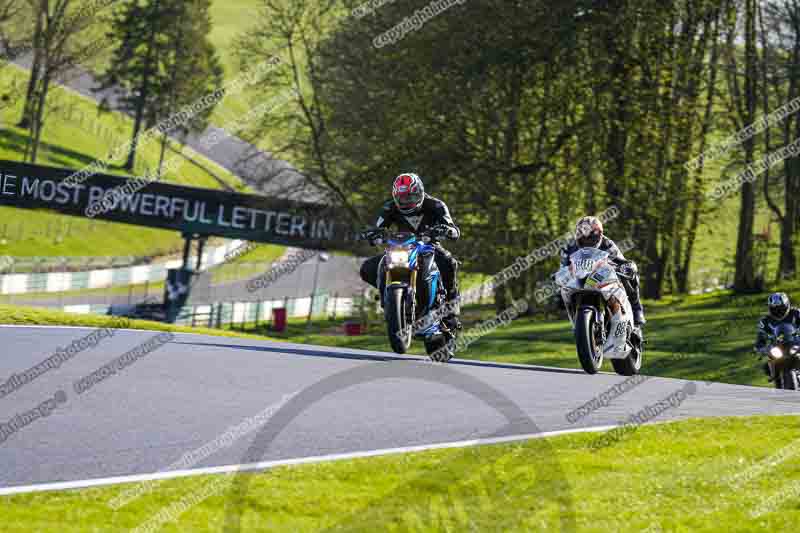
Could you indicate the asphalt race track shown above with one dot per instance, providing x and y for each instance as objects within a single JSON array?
[{"x": 191, "y": 390}]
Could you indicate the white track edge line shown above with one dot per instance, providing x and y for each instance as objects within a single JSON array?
[{"x": 266, "y": 465}]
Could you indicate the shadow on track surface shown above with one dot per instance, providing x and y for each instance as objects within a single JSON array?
[{"x": 320, "y": 352}]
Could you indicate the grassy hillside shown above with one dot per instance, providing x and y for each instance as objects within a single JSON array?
[
  {"x": 74, "y": 136},
  {"x": 230, "y": 18}
]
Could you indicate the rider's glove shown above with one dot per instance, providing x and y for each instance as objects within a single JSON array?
[
  {"x": 627, "y": 270},
  {"x": 371, "y": 237},
  {"x": 444, "y": 231}
]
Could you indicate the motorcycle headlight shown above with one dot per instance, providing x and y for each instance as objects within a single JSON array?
[
  {"x": 776, "y": 353},
  {"x": 398, "y": 257}
]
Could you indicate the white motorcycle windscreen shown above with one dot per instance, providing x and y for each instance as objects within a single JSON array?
[{"x": 587, "y": 260}]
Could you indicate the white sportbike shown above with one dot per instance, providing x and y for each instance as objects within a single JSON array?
[{"x": 600, "y": 313}]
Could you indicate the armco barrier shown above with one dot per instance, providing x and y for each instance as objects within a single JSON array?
[
  {"x": 222, "y": 314},
  {"x": 227, "y": 313},
  {"x": 104, "y": 278}
]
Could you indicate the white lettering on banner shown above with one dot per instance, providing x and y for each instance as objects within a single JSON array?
[
  {"x": 95, "y": 193},
  {"x": 147, "y": 204},
  {"x": 268, "y": 223},
  {"x": 238, "y": 212},
  {"x": 299, "y": 224},
  {"x": 130, "y": 203},
  {"x": 322, "y": 230},
  {"x": 167, "y": 207},
  {"x": 7, "y": 180},
  {"x": 195, "y": 213},
  {"x": 33, "y": 189},
  {"x": 48, "y": 191},
  {"x": 76, "y": 196},
  {"x": 203, "y": 217},
  {"x": 221, "y": 218},
  {"x": 173, "y": 206},
  {"x": 283, "y": 224},
  {"x": 162, "y": 206}
]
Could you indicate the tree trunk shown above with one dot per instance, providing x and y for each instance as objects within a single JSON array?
[
  {"x": 791, "y": 213},
  {"x": 744, "y": 278},
  {"x": 27, "y": 111},
  {"x": 682, "y": 269},
  {"x": 141, "y": 101},
  {"x": 654, "y": 269}
]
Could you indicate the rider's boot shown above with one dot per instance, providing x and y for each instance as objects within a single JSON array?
[
  {"x": 638, "y": 316},
  {"x": 632, "y": 289},
  {"x": 768, "y": 372},
  {"x": 451, "y": 319}
]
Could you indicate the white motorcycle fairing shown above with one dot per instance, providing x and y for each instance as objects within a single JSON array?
[{"x": 590, "y": 271}]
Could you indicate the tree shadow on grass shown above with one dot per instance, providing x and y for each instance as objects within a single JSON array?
[{"x": 13, "y": 141}]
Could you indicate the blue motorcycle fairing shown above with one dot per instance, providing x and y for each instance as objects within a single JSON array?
[
  {"x": 418, "y": 249},
  {"x": 434, "y": 286},
  {"x": 407, "y": 242}
]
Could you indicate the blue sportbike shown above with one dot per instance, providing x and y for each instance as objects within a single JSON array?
[{"x": 411, "y": 292}]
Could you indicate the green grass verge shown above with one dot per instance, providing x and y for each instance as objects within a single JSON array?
[
  {"x": 17, "y": 315},
  {"x": 670, "y": 477}
]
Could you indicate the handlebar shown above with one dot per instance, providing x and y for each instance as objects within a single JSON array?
[{"x": 372, "y": 234}]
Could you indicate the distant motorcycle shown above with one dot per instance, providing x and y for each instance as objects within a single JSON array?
[
  {"x": 783, "y": 356},
  {"x": 600, "y": 313},
  {"x": 406, "y": 302}
]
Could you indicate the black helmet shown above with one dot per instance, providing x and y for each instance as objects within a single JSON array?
[{"x": 778, "y": 304}]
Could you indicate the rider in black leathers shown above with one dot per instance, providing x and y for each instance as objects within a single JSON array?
[
  {"x": 780, "y": 312},
  {"x": 411, "y": 210}
]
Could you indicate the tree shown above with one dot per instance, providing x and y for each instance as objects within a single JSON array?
[
  {"x": 58, "y": 44},
  {"x": 780, "y": 41},
  {"x": 743, "y": 89},
  {"x": 194, "y": 69},
  {"x": 10, "y": 17},
  {"x": 295, "y": 30},
  {"x": 521, "y": 132},
  {"x": 162, "y": 59}
]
